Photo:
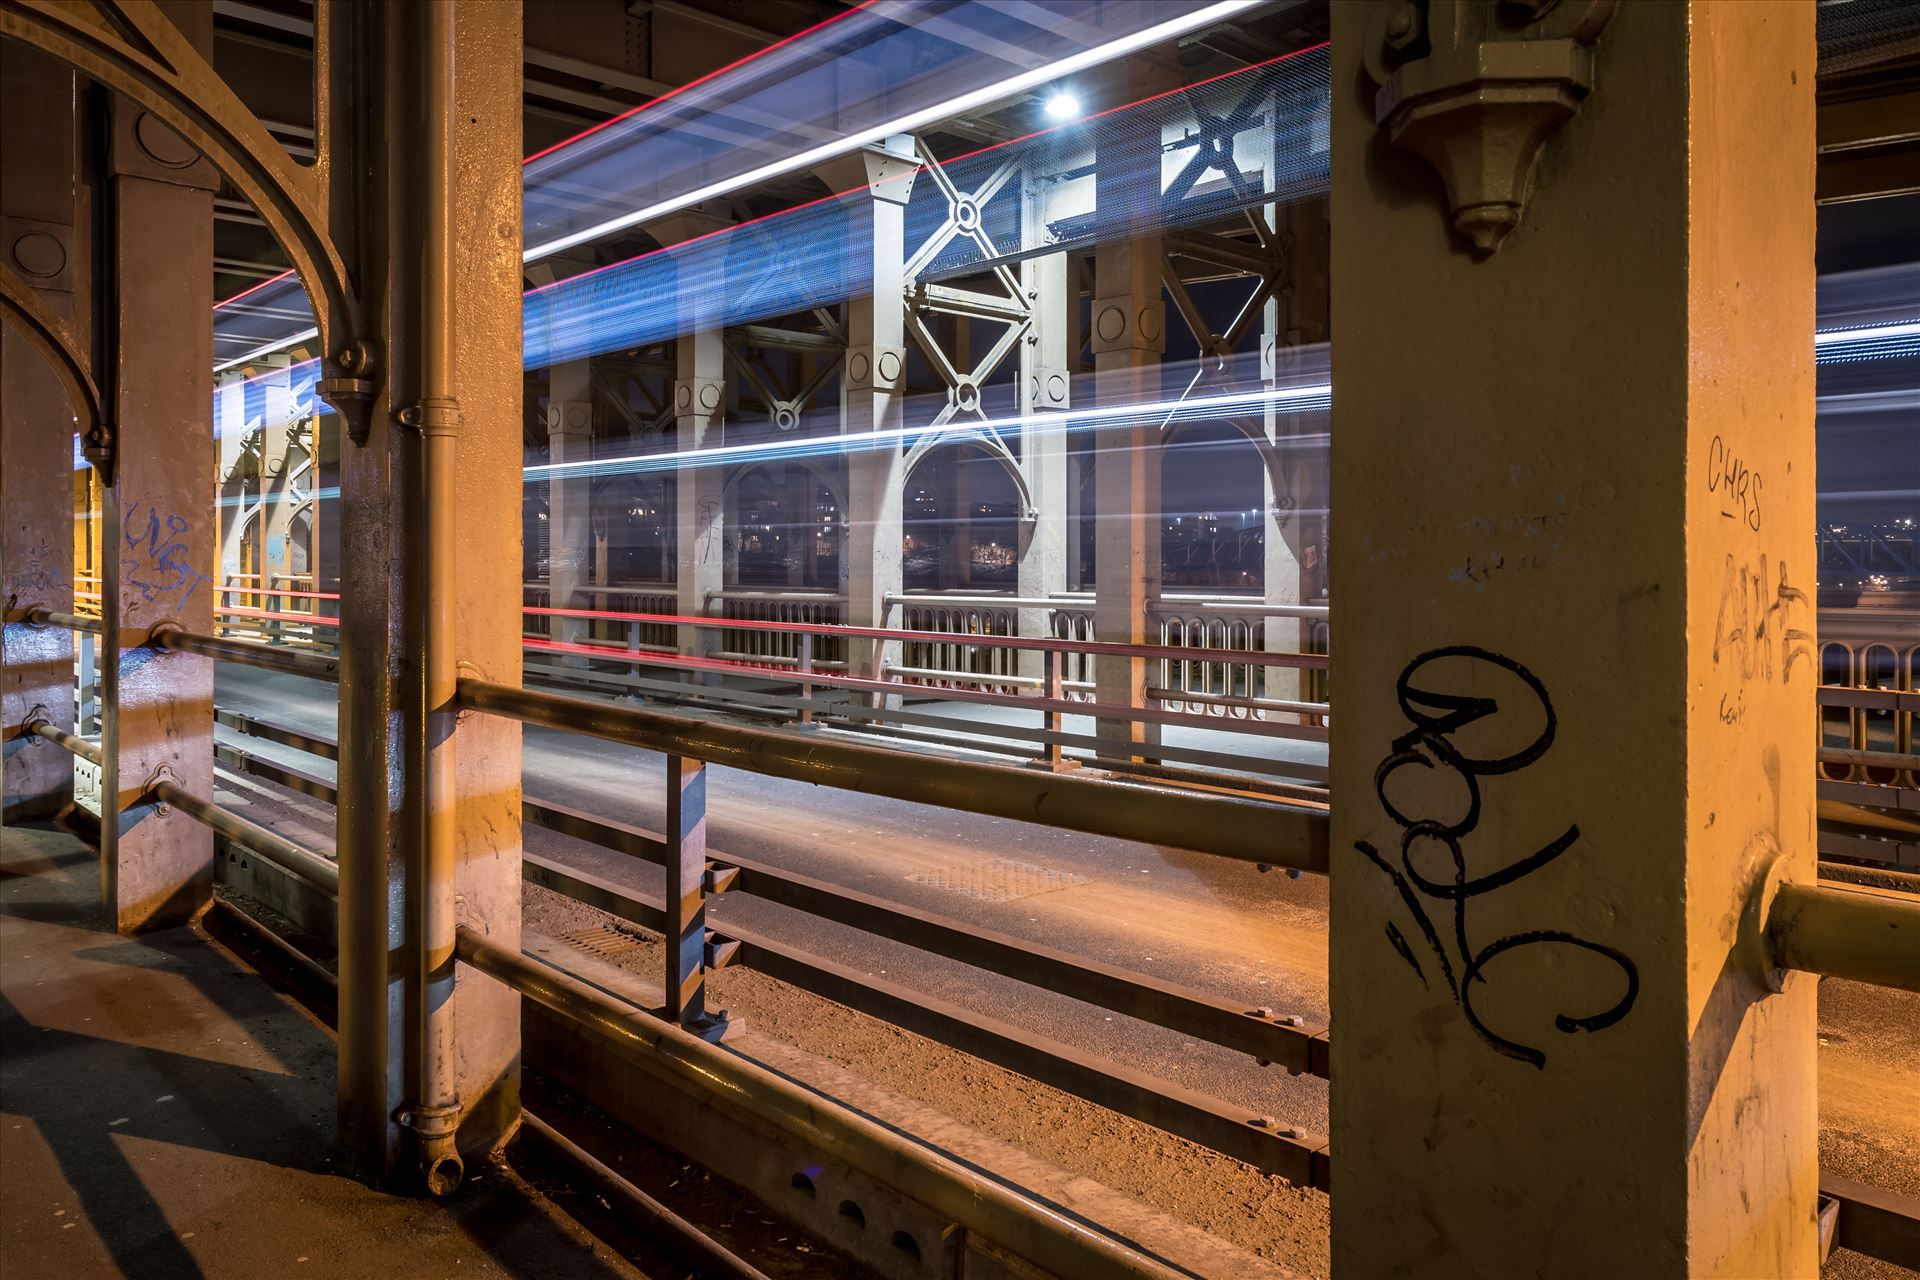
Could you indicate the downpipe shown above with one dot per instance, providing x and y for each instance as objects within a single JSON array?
[{"x": 434, "y": 1117}]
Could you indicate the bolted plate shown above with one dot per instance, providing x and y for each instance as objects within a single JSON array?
[{"x": 999, "y": 880}]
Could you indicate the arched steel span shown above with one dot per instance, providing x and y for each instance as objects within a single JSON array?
[
  {"x": 52, "y": 338},
  {"x": 136, "y": 51}
]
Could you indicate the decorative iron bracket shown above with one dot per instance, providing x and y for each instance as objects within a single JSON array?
[
  {"x": 52, "y": 338},
  {"x": 135, "y": 50},
  {"x": 1476, "y": 90}
]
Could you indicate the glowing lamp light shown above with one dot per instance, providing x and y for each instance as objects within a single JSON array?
[{"x": 1062, "y": 105}]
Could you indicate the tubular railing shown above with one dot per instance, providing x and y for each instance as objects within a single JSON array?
[
  {"x": 314, "y": 666},
  {"x": 61, "y": 738},
  {"x": 86, "y": 623},
  {"x": 957, "y": 663},
  {"x": 697, "y": 875},
  {"x": 821, "y": 611},
  {"x": 322, "y": 873},
  {"x": 1204, "y": 822}
]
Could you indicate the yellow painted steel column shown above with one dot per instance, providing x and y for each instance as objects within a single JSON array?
[
  {"x": 705, "y": 543},
  {"x": 1574, "y": 565},
  {"x": 1129, "y": 319},
  {"x": 43, "y": 242}
]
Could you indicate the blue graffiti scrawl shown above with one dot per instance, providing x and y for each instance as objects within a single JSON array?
[{"x": 155, "y": 561}]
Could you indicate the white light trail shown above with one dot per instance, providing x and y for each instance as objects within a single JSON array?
[
  {"x": 1867, "y": 333},
  {"x": 1073, "y": 419},
  {"x": 279, "y": 344},
  {"x": 1190, "y": 20}
]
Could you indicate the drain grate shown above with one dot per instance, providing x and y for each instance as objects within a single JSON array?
[
  {"x": 1000, "y": 880},
  {"x": 600, "y": 941}
]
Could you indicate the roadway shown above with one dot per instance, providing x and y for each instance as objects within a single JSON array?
[
  {"x": 1206, "y": 922},
  {"x": 1218, "y": 925}
]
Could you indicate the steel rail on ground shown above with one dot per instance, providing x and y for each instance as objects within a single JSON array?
[{"x": 1033, "y": 1229}]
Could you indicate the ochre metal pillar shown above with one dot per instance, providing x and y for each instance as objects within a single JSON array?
[
  {"x": 1575, "y": 573},
  {"x": 280, "y": 451},
  {"x": 699, "y": 416},
  {"x": 569, "y": 497},
  {"x": 366, "y": 87},
  {"x": 1045, "y": 394},
  {"x": 159, "y": 525},
  {"x": 872, "y": 395},
  {"x": 42, "y": 241},
  {"x": 1294, "y": 521},
  {"x": 232, "y": 482},
  {"x": 1129, "y": 334}
]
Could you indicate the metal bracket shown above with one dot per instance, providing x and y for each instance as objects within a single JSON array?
[
  {"x": 433, "y": 416},
  {"x": 719, "y": 953},
  {"x": 352, "y": 389},
  {"x": 136, "y": 51},
  {"x": 162, "y": 772},
  {"x": 50, "y": 335},
  {"x": 37, "y": 715},
  {"x": 1477, "y": 89}
]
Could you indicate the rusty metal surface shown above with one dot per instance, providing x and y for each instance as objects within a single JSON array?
[
  {"x": 158, "y": 530},
  {"x": 44, "y": 273}
]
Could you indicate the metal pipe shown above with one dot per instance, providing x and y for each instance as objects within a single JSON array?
[
  {"x": 296, "y": 860},
  {"x": 71, "y": 621},
  {"x": 1861, "y": 816},
  {"x": 61, "y": 738},
  {"x": 313, "y": 666},
  {"x": 434, "y": 1114},
  {"x": 1205, "y": 822},
  {"x": 1861, "y": 934},
  {"x": 1870, "y": 759},
  {"x": 292, "y": 956},
  {"x": 746, "y": 1090},
  {"x": 661, "y": 1225}
]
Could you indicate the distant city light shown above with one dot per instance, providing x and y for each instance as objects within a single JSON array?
[{"x": 1063, "y": 105}]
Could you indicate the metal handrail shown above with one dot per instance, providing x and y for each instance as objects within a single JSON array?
[
  {"x": 314, "y": 666},
  {"x": 1861, "y": 934},
  {"x": 1162, "y": 603},
  {"x": 1290, "y": 1042},
  {"x": 737, "y": 1086},
  {"x": 297, "y": 860},
  {"x": 71, "y": 621},
  {"x": 1043, "y": 644},
  {"x": 61, "y": 738},
  {"x": 880, "y": 685},
  {"x": 1869, "y": 759},
  {"x": 1250, "y": 831}
]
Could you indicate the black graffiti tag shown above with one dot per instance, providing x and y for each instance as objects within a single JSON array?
[{"x": 1433, "y": 864}]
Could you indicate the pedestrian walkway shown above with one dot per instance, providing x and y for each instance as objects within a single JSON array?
[{"x": 165, "y": 1113}]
